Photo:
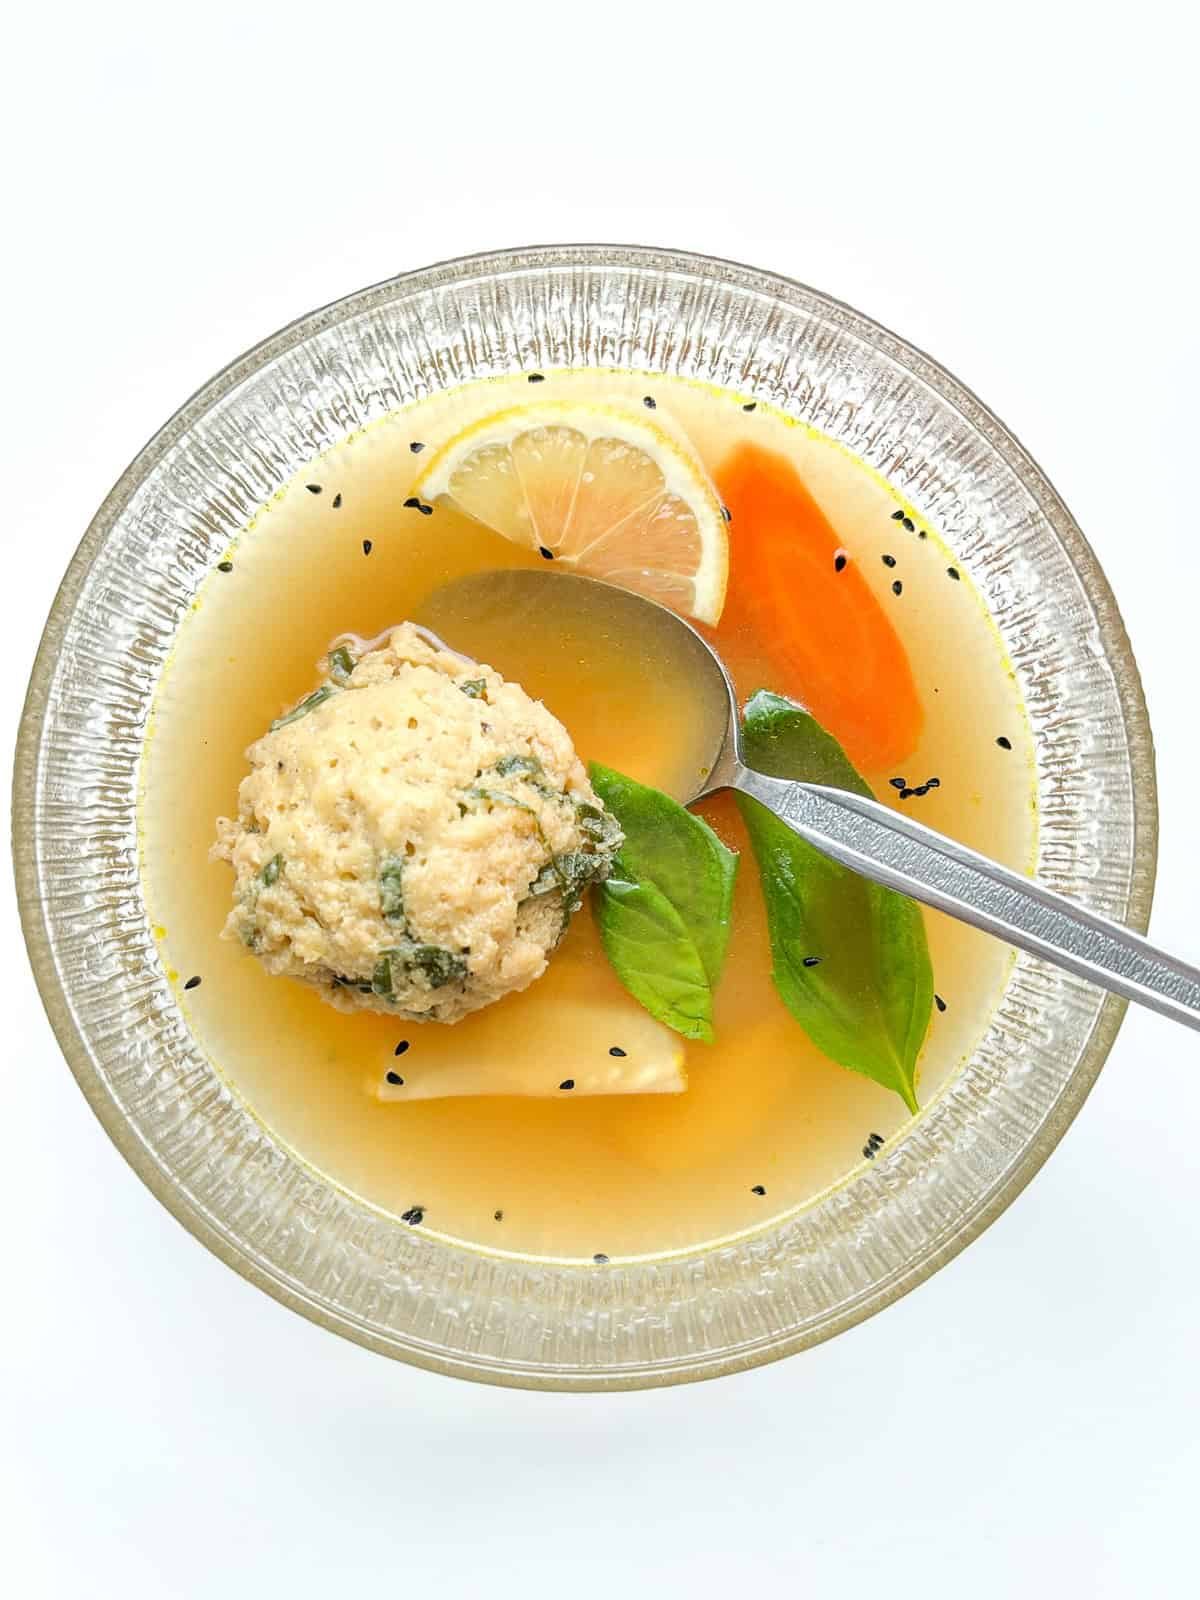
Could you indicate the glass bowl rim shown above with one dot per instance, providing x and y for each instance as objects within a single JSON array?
[{"x": 494, "y": 264}]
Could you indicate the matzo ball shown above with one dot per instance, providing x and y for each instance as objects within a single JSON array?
[{"x": 414, "y": 836}]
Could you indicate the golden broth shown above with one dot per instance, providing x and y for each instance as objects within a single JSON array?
[{"x": 558, "y": 1177}]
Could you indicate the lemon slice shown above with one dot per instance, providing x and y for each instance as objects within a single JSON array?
[{"x": 605, "y": 491}]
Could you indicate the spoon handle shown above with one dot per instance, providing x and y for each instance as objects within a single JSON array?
[{"x": 905, "y": 855}]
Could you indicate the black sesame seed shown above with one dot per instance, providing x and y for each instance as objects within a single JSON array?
[
  {"x": 897, "y": 516},
  {"x": 402, "y": 1048},
  {"x": 888, "y": 561},
  {"x": 394, "y": 1077},
  {"x": 727, "y": 514},
  {"x": 313, "y": 488},
  {"x": 615, "y": 1050},
  {"x": 811, "y": 961},
  {"x": 412, "y": 503},
  {"x": 898, "y": 783},
  {"x": 426, "y": 511},
  {"x": 224, "y": 566},
  {"x": 953, "y": 572},
  {"x": 921, "y": 789},
  {"x": 758, "y": 1189},
  {"x": 536, "y": 377},
  {"x": 907, "y": 794},
  {"x": 933, "y": 783},
  {"x": 910, "y": 524},
  {"x": 567, "y": 1083},
  {"x": 839, "y": 562},
  {"x": 1005, "y": 744},
  {"x": 869, "y": 1151},
  {"x": 600, "y": 1260},
  {"x": 365, "y": 988},
  {"x": 921, "y": 534},
  {"x": 416, "y": 447},
  {"x": 897, "y": 587},
  {"x": 366, "y": 547},
  {"x": 649, "y": 402},
  {"x": 939, "y": 1002},
  {"x": 750, "y": 405},
  {"x": 337, "y": 501},
  {"x": 192, "y": 983},
  {"x": 413, "y": 1216},
  {"x": 546, "y": 555},
  {"x": 875, "y": 1138},
  {"x": 497, "y": 1216}
]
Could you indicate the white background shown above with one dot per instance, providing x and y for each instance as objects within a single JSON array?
[{"x": 1010, "y": 187}]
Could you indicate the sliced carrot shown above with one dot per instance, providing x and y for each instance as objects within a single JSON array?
[{"x": 819, "y": 632}]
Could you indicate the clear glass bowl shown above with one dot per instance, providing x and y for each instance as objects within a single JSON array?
[{"x": 136, "y": 572}]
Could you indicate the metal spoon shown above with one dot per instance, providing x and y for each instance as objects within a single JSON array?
[{"x": 862, "y": 834}]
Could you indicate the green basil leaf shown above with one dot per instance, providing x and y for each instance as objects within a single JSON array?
[
  {"x": 341, "y": 665},
  {"x": 528, "y": 766},
  {"x": 310, "y": 703},
  {"x": 549, "y": 880},
  {"x": 655, "y": 957},
  {"x": 851, "y": 960},
  {"x": 438, "y": 967},
  {"x": 667, "y": 945},
  {"x": 599, "y": 825},
  {"x": 391, "y": 887},
  {"x": 570, "y": 873}
]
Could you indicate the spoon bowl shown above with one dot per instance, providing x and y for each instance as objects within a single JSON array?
[{"x": 582, "y": 622}]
